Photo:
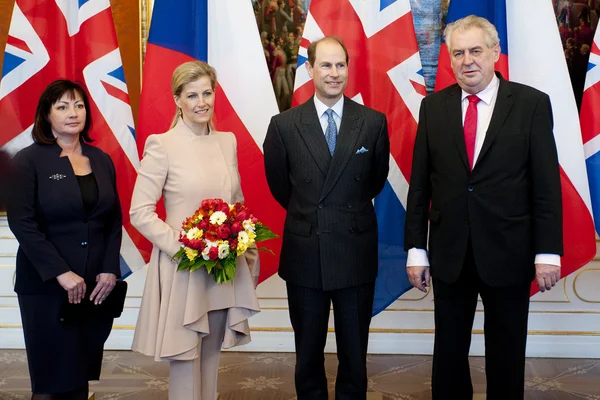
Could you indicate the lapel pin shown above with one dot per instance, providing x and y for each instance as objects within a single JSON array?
[{"x": 57, "y": 177}]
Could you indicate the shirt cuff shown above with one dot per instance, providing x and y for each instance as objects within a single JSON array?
[
  {"x": 417, "y": 258},
  {"x": 550, "y": 259}
]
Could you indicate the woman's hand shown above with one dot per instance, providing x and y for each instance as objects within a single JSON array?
[
  {"x": 104, "y": 285},
  {"x": 74, "y": 285}
]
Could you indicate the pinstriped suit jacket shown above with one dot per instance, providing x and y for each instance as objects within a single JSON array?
[{"x": 330, "y": 232}]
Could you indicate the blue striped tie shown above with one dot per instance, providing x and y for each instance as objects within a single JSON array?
[{"x": 331, "y": 131}]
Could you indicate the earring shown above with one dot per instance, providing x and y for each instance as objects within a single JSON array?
[{"x": 180, "y": 113}]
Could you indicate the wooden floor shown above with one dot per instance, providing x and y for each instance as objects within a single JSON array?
[{"x": 270, "y": 376}]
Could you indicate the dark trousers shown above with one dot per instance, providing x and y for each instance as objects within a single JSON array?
[
  {"x": 309, "y": 313},
  {"x": 505, "y": 331}
]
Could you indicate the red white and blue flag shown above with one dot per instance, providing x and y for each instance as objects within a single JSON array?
[
  {"x": 590, "y": 126},
  {"x": 385, "y": 74},
  {"x": 224, "y": 34},
  {"x": 76, "y": 40},
  {"x": 533, "y": 51}
]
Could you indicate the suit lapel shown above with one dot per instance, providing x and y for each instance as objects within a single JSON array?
[
  {"x": 502, "y": 108},
  {"x": 345, "y": 146},
  {"x": 454, "y": 112},
  {"x": 311, "y": 131}
]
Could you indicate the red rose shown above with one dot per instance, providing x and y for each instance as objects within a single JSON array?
[
  {"x": 254, "y": 219},
  {"x": 203, "y": 224},
  {"x": 236, "y": 227},
  {"x": 196, "y": 244},
  {"x": 242, "y": 215},
  {"x": 213, "y": 253},
  {"x": 205, "y": 205},
  {"x": 217, "y": 204},
  {"x": 233, "y": 244},
  {"x": 223, "y": 231},
  {"x": 225, "y": 208},
  {"x": 211, "y": 235}
]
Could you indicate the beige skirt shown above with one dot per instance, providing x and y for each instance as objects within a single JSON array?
[{"x": 173, "y": 316}]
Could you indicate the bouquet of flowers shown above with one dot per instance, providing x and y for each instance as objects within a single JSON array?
[{"x": 216, "y": 235}]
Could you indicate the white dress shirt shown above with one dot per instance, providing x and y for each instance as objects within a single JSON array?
[
  {"x": 338, "y": 110},
  {"x": 485, "y": 109}
]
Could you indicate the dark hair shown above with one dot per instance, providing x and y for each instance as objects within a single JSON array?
[
  {"x": 312, "y": 48},
  {"x": 42, "y": 130}
]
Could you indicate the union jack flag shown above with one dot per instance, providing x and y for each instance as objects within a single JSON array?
[
  {"x": 385, "y": 74},
  {"x": 76, "y": 40}
]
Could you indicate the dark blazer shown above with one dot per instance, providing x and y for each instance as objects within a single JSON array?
[
  {"x": 47, "y": 216},
  {"x": 509, "y": 205},
  {"x": 330, "y": 232}
]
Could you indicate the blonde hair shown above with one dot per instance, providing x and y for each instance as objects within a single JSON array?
[
  {"x": 469, "y": 22},
  {"x": 190, "y": 72}
]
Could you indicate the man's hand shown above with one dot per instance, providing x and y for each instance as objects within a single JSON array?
[
  {"x": 73, "y": 284},
  {"x": 546, "y": 276},
  {"x": 104, "y": 285},
  {"x": 419, "y": 277}
]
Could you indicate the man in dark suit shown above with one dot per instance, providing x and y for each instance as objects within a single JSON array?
[
  {"x": 326, "y": 181},
  {"x": 485, "y": 174}
]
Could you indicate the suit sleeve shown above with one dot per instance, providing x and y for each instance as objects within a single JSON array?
[
  {"x": 382, "y": 158},
  {"x": 114, "y": 227},
  {"x": 22, "y": 219},
  {"x": 277, "y": 166},
  {"x": 419, "y": 192},
  {"x": 149, "y": 185},
  {"x": 545, "y": 179}
]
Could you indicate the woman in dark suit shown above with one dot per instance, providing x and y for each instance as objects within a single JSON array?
[{"x": 64, "y": 211}]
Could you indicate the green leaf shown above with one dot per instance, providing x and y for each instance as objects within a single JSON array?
[
  {"x": 266, "y": 249},
  {"x": 196, "y": 265},
  {"x": 180, "y": 253},
  {"x": 263, "y": 233},
  {"x": 210, "y": 265},
  {"x": 183, "y": 264}
]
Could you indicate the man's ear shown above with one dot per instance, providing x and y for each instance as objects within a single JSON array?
[{"x": 309, "y": 68}]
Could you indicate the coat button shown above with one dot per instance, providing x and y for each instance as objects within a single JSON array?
[
  {"x": 351, "y": 229},
  {"x": 307, "y": 180},
  {"x": 470, "y": 188},
  {"x": 349, "y": 205},
  {"x": 357, "y": 177},
  {"x": 320, "y": 205},
  {"x": 84, "y": 244}
]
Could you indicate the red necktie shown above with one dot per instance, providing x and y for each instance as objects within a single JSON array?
[{"x": 470, "y": 128}]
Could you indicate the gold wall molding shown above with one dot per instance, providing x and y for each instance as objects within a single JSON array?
[{"x": 581, "y": 272}]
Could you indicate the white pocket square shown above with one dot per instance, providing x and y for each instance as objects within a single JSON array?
[{"x": 361, "y": 150}]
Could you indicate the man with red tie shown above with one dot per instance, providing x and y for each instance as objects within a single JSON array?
[{"x": 485, "y": 199}]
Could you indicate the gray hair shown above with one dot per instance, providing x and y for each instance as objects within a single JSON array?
[{"x": 473, "y": 21}]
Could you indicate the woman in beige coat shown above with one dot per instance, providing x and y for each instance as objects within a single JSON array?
[{"x": 186, "y": 317}]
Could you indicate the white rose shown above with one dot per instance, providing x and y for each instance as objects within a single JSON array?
[
  {"x": 223, "y": 250},
  {"x": 218, "y": 217}
]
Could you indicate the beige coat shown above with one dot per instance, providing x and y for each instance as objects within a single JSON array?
[{"x": 185, "y": 169}]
